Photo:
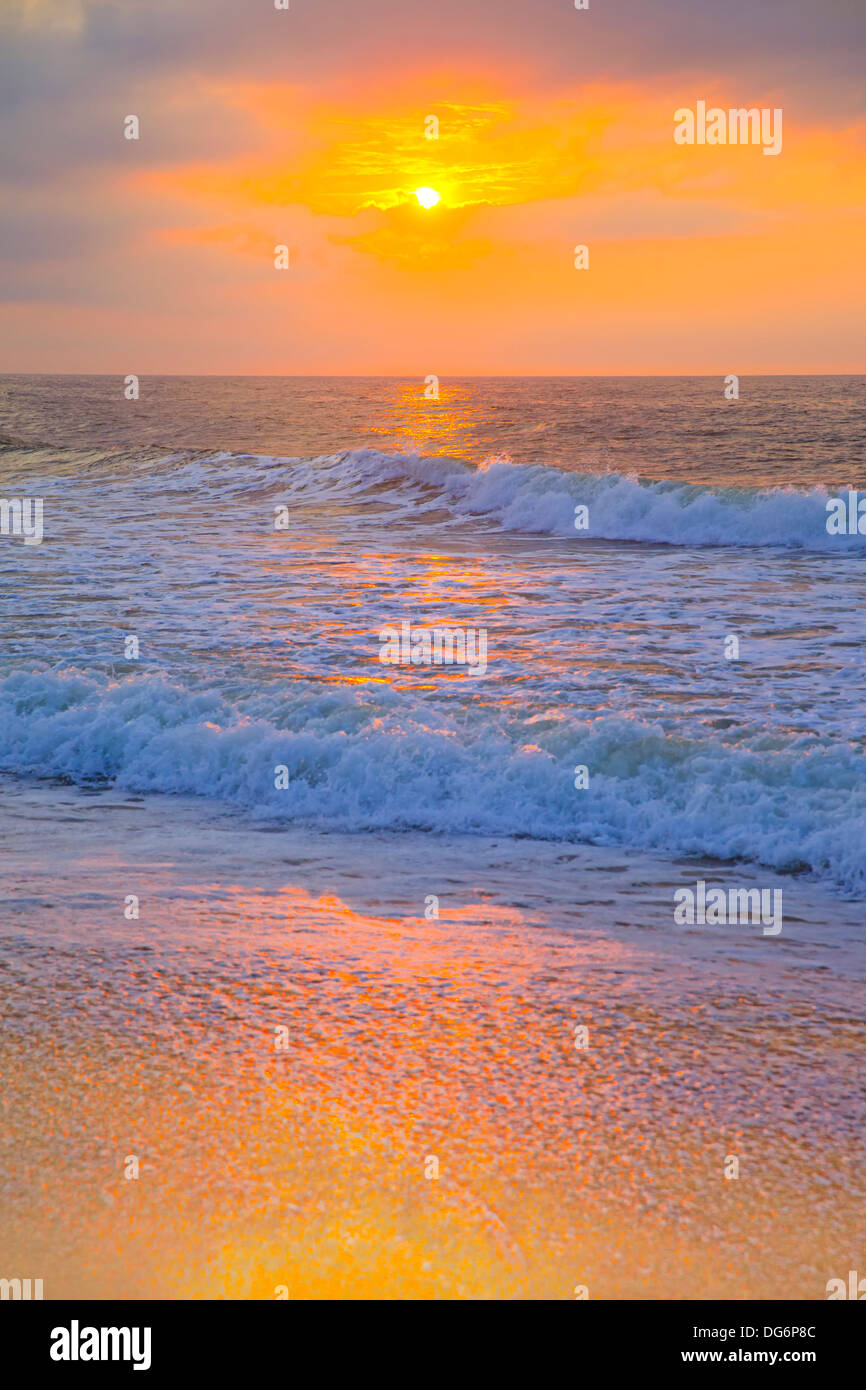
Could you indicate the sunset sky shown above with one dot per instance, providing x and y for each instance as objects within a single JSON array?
[{"x": 306, "y": 127}]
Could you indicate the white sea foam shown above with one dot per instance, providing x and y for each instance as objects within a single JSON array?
[
  {"x": 530, "y": 498},
  {"x": 533, "y": 498},
  {"x": 375, "y": 757},
  {"x": 267, "y": 648}
]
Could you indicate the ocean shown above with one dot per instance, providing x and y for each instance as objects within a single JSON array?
[
  {"x": 223, "y": 812},
  {"x": 606, "y": 646}
]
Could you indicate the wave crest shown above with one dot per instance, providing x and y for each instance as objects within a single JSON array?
[
  {"x": 377, "y": 758},
  {"x": 540, "y": 499}
]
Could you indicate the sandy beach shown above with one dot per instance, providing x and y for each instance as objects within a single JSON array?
[{"x": 298, "y": 1164}]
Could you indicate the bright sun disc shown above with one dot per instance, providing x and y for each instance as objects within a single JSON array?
[{"x": 427, "y": 197}]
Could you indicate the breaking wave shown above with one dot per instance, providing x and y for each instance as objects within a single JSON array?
[
  {"x": 374, "y": 757},
  {"x": 533, "y": 498}
]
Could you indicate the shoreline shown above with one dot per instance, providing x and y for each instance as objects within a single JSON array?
[{"x": 406, "y": 1039}]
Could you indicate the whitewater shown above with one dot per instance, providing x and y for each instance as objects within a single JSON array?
[{"x": 607, "y": 647}]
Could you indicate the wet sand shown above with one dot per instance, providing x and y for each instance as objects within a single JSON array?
[{"x": 304, "y": 1161}]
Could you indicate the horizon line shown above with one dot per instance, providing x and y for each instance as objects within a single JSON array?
[{"x": 442, "y": 376}]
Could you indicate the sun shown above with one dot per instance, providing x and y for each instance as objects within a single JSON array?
[{"x": 427, "y": 197}]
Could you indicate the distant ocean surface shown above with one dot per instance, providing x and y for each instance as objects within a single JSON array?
[{"x": 606, "y": 647}]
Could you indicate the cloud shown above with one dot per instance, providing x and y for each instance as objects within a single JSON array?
[{"x": 306, "y": 127}]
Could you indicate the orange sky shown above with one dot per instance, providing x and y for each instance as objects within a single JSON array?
[{"x": 157, "y": 255}]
